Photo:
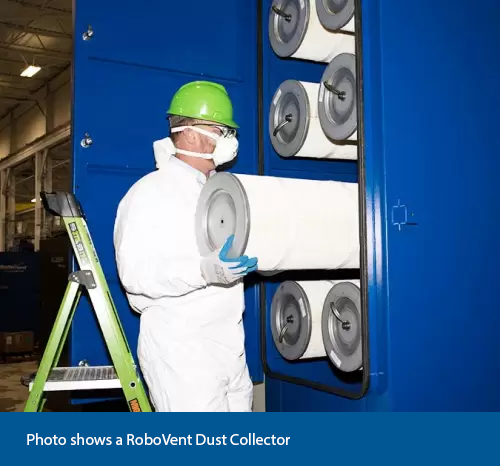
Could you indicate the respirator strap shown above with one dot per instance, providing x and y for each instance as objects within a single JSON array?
[{"x": 194, "y": 154}]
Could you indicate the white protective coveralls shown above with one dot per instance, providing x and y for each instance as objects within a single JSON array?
[{"x": 191, "y": 341}]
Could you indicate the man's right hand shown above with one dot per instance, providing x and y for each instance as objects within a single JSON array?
[{"x": 217, "y": 268}]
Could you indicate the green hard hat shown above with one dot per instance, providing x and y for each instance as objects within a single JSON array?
[{"x": 204, "y": 100}]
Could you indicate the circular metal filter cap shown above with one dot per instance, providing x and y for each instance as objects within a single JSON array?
[
  {"x": 341, "y": 326},
  {"x": 288, "y": 118},
  {"x": 288, "y": 20},
  {"x": 223, "y": 210},
  {"x": 337, "y": 108},
  {"x": 334, "y": 14},
  {"x": 290, "y": 320}
]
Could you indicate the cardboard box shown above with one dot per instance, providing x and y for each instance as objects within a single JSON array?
[{"x": 16, "y": 342}]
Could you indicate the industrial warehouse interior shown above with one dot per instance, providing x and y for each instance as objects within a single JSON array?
[
  {"x": 36, "y": 44},
  {"x": 278, "y": 213}
]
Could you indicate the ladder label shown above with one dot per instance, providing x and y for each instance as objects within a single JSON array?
[
  {"x": 78, "y": 244},
  {"x": 134, "y": 406}
]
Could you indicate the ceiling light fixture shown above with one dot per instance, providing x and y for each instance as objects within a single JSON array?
[{"x": 30, "y": 71}]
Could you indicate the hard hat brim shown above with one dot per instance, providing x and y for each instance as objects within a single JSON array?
[{"x": 228, "y": 123}]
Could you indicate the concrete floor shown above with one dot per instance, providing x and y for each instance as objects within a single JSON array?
[{"x": 13, "y": 394}]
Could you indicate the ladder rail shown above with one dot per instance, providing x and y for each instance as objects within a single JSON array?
[
  {"x": 54, "y": 347},
  {"x": 91, "y": 276},
  {"x": 105, "y": 310}
]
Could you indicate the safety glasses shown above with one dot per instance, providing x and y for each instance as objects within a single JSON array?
[{"x": 224, "y": 130}]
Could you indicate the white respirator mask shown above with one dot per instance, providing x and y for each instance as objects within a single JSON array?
[{"x": 226, "y": 148}]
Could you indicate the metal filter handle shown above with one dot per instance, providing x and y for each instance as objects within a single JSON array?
[
  {"x": 288, "y": 119},
  {"x": 346, "y": 325},
  {"x": 286, "y": 16},
  {"x": 340, "y": 94}
]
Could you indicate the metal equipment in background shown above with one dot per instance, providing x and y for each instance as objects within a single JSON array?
[{"x": 20, "y": 305}]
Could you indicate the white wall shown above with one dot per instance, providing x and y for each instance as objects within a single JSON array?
[
  {"x": 62, "y": 105},
  {"x": 28, "y": 127},
  {"x": 28, "y": 122}
]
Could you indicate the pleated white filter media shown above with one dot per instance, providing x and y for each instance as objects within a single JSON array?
[
  {"x": 296, "y": 312},
  {"x": 350, "y": 26},
  {"x": 295, "y": 31},
  {"x": 341, "y": 326},
  {"x": 294, "y": 126},
  {"x": 288, "y": 224},
  {"x": 337, "y": 98},
  {"x": 336, "y": 15}
]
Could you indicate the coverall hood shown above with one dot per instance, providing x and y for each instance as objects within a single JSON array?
[{"x": 163, "y": 150}]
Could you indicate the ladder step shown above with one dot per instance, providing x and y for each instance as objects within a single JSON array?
[{"x": 80, "y": 378}]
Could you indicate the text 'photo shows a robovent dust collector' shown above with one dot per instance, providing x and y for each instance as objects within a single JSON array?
[
  {"x": 336, "y": 15},
  {"x": 296, "y": 32},
  {"x": 341, "y": 326},
  {"x": 337, "y": 99},
  {"x": 288, "y": 224},
  {"x": 294, "y": 126},
  {"x": 296, "y": 312}
]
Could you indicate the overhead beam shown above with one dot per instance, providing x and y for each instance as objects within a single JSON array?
[
  {"x": 14, "y": 61},
  {"x": 36, "y": 31},
  {"x": 17, "y": 79},
  {"x": 48, "y": 9},
  {"x": 45, "y": 142},
  {"x": 16, "y": 90},
  {"x": 54, "y": 54},
  {"x": 11, "y": 98},
  {"x": 25, "y": 211},
  {"x": 51, "y": 166}
]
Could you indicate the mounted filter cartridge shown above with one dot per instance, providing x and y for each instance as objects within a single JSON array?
[
  {"x": 294, "y": 126},
  {"x": 295, "y": 32},
  {"x": 288, "y": 224},
  {"x": 296, "y": 311},
  {"x": 341, "y": 326},
  {"x": 337, "y": 101},
  {"x": 336, "y": 15}
]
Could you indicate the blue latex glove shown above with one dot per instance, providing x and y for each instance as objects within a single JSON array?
[{"x": 218, "y": 268}]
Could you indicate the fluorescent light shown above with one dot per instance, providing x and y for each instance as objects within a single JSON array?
[
  {"x": 33, "y": 200},
  {"x": 30, "y": 71}
]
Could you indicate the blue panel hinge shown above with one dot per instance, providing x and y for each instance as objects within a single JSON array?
[{"x": 400, "y": 216}]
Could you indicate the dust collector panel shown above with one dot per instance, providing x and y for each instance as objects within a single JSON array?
[{"x": 134, "y": 52}]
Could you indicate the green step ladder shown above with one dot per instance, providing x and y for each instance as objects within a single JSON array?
[{"x": 123, "y": 373}]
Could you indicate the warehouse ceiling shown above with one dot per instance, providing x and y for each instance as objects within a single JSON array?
[{"x": 34, "y": 32}]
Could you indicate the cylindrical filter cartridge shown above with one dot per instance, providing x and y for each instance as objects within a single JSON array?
[
  {"x": 336, "y": 15},
  {"x": 296, "y": 319},
  {"x": 296, "y": 312},
  {"x": 341, "y": 326},
  {"x": 287, "y": 223},
  {"x": 337, "y": 101},
  {"x": 294, "y": 126},
  {"x": 295, "y": 32}
]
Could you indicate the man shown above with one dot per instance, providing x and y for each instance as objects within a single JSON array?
[{"x": 191, "y": 340}]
